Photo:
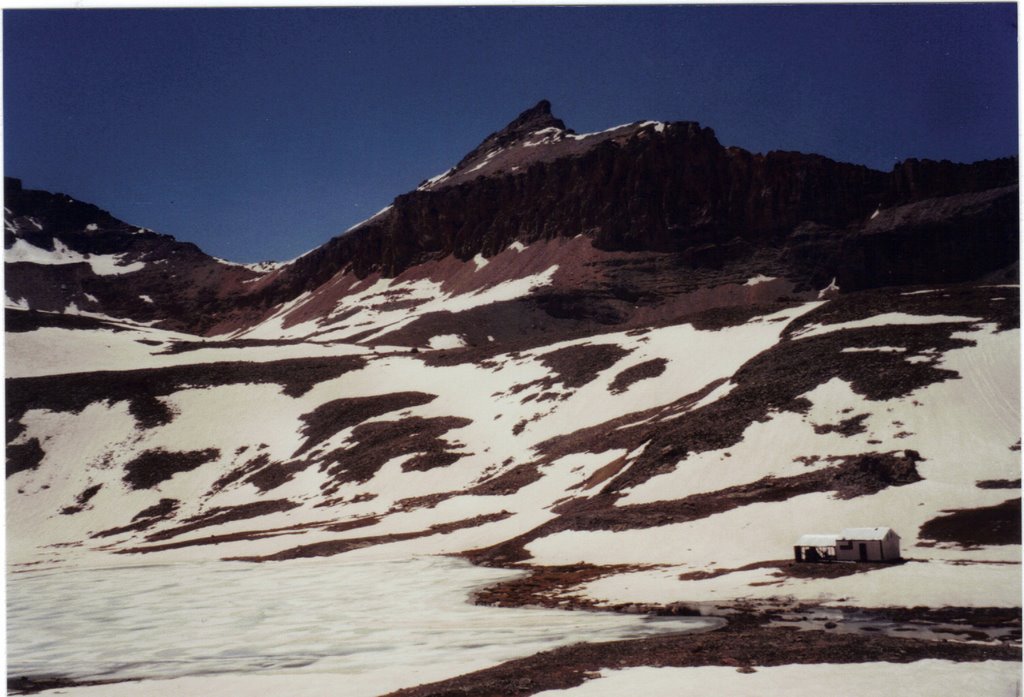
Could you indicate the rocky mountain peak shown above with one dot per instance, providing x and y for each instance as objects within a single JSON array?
[{"x": 536, "y": 118}]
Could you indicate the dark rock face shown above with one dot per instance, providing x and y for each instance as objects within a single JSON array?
[
  {"x": 936, "y": 240},
  {"x": 674, "y": 188},
  {"x": 914, "y": 180}
]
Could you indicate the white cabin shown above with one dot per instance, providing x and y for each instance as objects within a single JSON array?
[{"x": 868, "y": 544}]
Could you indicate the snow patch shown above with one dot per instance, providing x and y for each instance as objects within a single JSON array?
[
  {"x": 758, "y": 279},
  {"x": 830, "y": 289},
  {"x": 659, "y": 126},
  {"x": 488, "y": 158},
  {"x": 102, "y": 264},
  {"x": 436, "y": 179},
  {"x": 378, "y": 214},
  {"x": 447, "y": 341},
  {"x": 547, "y": 135},
  {"x": 883, "y": 349},
  {"x": 15, "y": 303}
]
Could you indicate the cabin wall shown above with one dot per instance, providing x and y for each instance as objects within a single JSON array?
[{"x": 849, "y": 550}]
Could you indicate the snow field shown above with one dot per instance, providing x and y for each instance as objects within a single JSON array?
[{"x": 965, "y": 441}]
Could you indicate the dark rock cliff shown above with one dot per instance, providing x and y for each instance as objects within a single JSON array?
[{"x": 674, "y": 188}]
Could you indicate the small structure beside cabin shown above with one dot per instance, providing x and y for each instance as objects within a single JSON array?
[
  {"x": 854, "y": 544},
  {"x": 815, "y": 548}
]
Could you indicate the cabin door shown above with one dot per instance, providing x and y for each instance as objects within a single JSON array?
[{"x": 863, "y": 551}]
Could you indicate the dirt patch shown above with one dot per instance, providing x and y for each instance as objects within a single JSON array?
[
  {"x": 998, "y": 484},
  {"x": 24, "y": 456},
  {"x": 237, "y": 473},
  {"x": 330, "y": 548},
  {"x": 508, "y": 482},
  {"x": 374, "y": 444},
  {"x": 552, "y": 586},
  {"x": 1007, "y": 617},
  {"x": 331, "y": 418},
  {"x": 274, "y": 475},
  {"x": 246, "y": 535},
  {"x": 224, "y": 514},
  {"x": 18, "y": 321},
  {"x": 634, "y": 374},
  {"x": 791, "y": 569},
  {"x": 733, "y": 316},
  {"x": 155, "y": 466},
  {"x": 742, "y": 645},
  {"x": 23, "y": 685},
  {"x": 846, "y": 428},
  {"x": 164, "y": 509},
  {"x": 144, "y": 519},
  {"x": 81, "y": 500},
  {"x": 353, "y": 524},
  {"x": 426, "y": 501},
  {"x": 603, "y": 474},
  {"x": 977, "y": 527},
  {"x": 186, "y": 346},
  {"x": 579, "y": 365}
]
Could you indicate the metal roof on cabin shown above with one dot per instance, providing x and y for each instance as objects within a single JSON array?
[
  {"x": 864, "y": 533},
  {"x": 817, "y": 541}
]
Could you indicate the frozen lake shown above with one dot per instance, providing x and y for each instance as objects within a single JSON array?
[{"x": 377, "y": 625}]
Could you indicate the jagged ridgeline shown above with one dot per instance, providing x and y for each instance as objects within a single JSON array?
[{"x": 636, "y": 363}]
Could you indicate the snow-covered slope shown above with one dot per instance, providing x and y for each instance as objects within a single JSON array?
[{"x": 685, "y": 460}]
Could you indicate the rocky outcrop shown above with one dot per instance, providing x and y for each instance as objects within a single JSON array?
[{"x": 936, "y": 240}]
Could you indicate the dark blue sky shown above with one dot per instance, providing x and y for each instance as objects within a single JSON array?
[{"x": 261, "y": 133}]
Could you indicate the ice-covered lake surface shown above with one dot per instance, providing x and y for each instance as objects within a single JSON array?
[{"x": 378, "y": 625}]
